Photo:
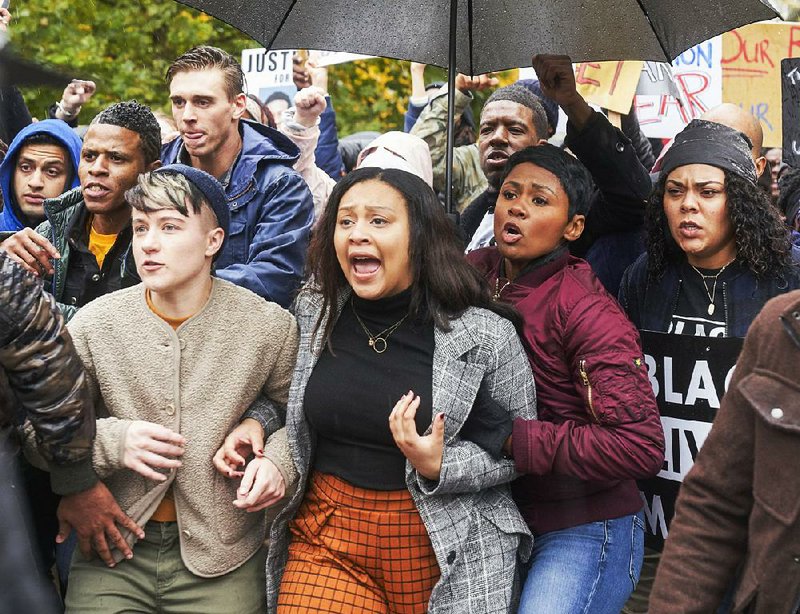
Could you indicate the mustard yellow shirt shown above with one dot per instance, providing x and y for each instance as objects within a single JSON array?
[
  {"x": 165, "y": 512},
  {"x": 100, "y": 245}
]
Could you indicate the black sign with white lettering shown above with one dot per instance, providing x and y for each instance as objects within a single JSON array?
[
  {"x": 790, "y": 94},
  {"x": 689, "y": 375}
]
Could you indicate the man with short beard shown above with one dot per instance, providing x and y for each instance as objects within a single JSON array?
[
  {"x": 513, "y": 119},
  {"x": 85, "y": 241}
]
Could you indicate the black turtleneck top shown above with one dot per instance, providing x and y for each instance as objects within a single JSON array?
[{"x": 351, "y": 392}]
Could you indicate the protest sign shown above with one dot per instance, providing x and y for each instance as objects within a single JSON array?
[
  {"x": 751, "y": 73},
  {"x": 790, "y": 115},
  {"x": 689, "y": 376},
  {"x": 329, "y": 58},
  {"x": 697, "y": 77},
  {"x": 610, "y": 85},
  {"x": 268, "y": 75}
]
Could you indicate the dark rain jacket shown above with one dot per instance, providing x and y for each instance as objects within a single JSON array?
[
  {"x": 650, "y": 303},
  {"x": 599, "y": 428},
  {"x": 272, "y": 212},
  {"x": 738, "y": 513},
  {"x": 43, "y": 379},
  {"x": 62, "y": 215}
]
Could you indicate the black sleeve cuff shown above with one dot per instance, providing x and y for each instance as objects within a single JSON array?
[{"x": 72, "y": 478}]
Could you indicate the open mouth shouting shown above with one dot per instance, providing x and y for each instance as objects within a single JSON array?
[
  {"x": 511, "y": 233},
  {"x": 497, "y": 157},
  {"x": 364, "y": 267},
  {"x": 689, "y": 229},
  {"x": 95, "y": 191}
]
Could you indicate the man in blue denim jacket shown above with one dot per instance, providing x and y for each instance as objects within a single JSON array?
[{"x": 271, "y": 207}]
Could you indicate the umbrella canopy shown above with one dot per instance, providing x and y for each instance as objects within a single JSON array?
[
  {"x": 480, "y": 36},
  {"x": 18, "y": 71},
  {"x": 490, "y": 34}
]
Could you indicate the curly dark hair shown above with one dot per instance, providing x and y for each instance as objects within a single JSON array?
[
  {"x": 444, "y": 285},
  {"x": 137, "y": 118},
  {"x": 762, "y": 241}
]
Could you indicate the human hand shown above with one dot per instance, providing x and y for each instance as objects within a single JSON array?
[
  {"x": 31, "y": 250},
  {"x": 262, "y": 485},
  {"x": 417, "y": 68},
  {"x": 149, "y": 446},
  {"x": 5, "y": 19},
  {"x": 476, "y": 83},
  {"x": 246, "y": 439},
  {"x": 75, "y": 95},
  {"x": 94, "y": 514},
  {"x": 309, "y": 105},
  {"x": 557, "y": 78},
  {"x": 423, "y": 452}
]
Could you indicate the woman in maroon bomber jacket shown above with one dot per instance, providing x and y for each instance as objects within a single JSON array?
[{"x": 599, "y": 427}]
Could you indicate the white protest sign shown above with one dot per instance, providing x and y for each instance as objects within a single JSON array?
[
  {"x": 329, "y": 58},
  {"x": 268, "y": 75},
  {"x": 697, "y": 75}
]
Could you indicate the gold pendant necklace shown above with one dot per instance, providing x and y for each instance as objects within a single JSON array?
[
  {"x": 713, "y": 293},
  {"x": 377, "y": 342}
]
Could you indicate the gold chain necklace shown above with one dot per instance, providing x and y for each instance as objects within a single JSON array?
[
  {"x": 377, "y": 342},
  {"x": 498, "y": 290},
  {"x": 713, "y": 293}
]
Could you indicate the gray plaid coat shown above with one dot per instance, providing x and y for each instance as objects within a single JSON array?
[{"x": 476, "y": 530}]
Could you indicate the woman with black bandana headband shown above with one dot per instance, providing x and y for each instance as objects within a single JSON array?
[{"x": 717, "y": 252}]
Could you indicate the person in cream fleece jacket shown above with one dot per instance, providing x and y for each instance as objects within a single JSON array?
[{"x": 174, "y": 364}]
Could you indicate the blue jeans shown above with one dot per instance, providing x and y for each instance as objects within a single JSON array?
[{"x": 591, "y": 568}]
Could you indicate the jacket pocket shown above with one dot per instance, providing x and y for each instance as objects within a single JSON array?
[
  {"x": 776, "y": 436},
  {"x": 614, "y": 387},
  {"x": 503, "y": 515}
]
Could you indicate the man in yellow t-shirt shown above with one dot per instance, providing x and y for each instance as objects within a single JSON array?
[{"x": 85, "y": 241}]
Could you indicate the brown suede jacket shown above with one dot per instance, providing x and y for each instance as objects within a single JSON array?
[
  {"x": 43, "y": 379},
  {"x": 738, "y": 514}
]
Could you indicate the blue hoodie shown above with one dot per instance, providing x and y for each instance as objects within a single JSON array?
[{"x": 11, "y": 218}]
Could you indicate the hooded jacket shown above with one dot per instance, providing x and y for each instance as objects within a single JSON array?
[
  {"x": 11, "y": 218},
  {"x": 272, "y": 213}
]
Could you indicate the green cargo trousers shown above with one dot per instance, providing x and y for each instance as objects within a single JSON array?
[{"x": 155, "y": 581}]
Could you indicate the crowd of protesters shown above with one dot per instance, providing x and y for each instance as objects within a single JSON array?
[{"x": 250, "y": 366}]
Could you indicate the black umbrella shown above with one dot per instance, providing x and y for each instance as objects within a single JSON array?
[
  {"x": 479, "y": 36},
  {"x": 15, "y": 70}
]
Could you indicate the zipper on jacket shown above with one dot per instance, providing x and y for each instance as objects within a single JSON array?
[
  {"x": 587, "y": 383},
  {"x": 725, "y": 308}
]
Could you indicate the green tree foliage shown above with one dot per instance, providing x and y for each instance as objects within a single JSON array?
[{"x": 127, "y": 45}]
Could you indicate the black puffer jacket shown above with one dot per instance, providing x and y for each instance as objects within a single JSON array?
[{"x": 42, "y": 379}]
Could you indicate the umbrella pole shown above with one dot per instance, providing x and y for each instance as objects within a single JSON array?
[{"x": 451, "y": 110}]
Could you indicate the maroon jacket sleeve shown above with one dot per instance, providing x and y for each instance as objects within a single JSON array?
[{"x": 620, "y": 436}]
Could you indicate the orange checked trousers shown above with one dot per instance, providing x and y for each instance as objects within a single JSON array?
[{"x": 357, "y": 550}]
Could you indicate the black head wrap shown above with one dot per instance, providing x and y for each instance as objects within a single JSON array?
[{"x": 705, "y": 142}]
